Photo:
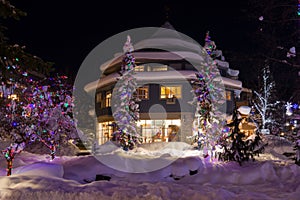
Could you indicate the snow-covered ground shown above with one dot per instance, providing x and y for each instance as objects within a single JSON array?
[{"x": 184, "y": 174}]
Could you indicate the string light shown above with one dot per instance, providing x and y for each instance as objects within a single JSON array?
[{"x": 298, "y": 8}]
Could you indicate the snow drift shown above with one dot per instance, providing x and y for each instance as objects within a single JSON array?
[{"x": 189, "y": 176}]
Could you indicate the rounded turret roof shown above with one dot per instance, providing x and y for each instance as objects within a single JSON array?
[{"x": 164, "y": 44}]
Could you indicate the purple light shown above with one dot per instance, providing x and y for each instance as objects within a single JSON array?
[{"x": 295, "y": 106}]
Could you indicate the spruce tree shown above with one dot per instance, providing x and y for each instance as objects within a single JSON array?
[{"x": 125, "y": 107}]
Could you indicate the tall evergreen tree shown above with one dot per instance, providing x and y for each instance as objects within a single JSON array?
[
  {"x": 203, "y": 109},
  {"x": 125, "y": 107},
  {"x": 208, "y": 100}
]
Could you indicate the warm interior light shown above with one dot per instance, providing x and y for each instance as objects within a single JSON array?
[{"x": 13, "y": 96}]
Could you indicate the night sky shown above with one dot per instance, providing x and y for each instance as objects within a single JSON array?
[{"x": 64, "y": 32}]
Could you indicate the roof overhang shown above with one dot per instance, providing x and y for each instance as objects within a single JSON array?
[{"x": 157, "y": 78}]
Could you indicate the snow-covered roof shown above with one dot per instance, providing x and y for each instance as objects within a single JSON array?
[
  {"x": 157, "y": 77},
  {"x": 222, "y": 64},
  {"x": 168, "y": 43},
  {"x": 233, "y": 72},
  {"x": 154, "y": 56},
  {"x": 176, "y": 46},
  {"x": 166, "y": 39}
]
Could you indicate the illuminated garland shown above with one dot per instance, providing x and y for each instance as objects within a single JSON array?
[
  {"x": 35, "y": 109},
  {"x": 298, "y": 11}
]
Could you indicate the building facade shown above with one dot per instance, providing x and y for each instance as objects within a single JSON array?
[{"x": 164, "y": 90}]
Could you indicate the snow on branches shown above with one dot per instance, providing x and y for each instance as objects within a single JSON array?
[
  {"x": 126, "y": 110},
  {"x": 264, "y": 102}
]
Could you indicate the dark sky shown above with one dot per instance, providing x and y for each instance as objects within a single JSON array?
[{"x": 65, "y": 31}]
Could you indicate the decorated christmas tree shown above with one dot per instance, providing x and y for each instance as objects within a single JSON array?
[
  {"x": 203, "y": 108},
  {"x": 51, "y": 111},
  {"x": 37, "y": 110},
  {"x": 265, "y": 103},
  {"x": 209, "y": 102},
  {"x": 24, "y": 104},
  {"x": 125, "y": 107},
  {"x": 209, "y": 45}
]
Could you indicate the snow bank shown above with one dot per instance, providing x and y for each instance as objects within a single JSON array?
[
  {"x": 158, "y": 146},
  {"x": 41, "y": 169},
  {"x": 188, "y": 176},
  {"x": 145, "y": 158}
]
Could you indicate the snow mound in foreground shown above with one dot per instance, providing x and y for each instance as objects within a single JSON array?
[
  {"x": 254, "y": 180},
  {"x": 157, "y": 146},
  {"x": 41, "y": 169},
  {"x": 187, "y": 178},
  {"x": 144, "y": 158}
]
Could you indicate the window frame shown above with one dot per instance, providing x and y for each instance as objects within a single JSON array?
[
  {"x": 228, "y": 93},
  {"x": 139, "y": 68},
  {"x": 108, "y": 100},
  {"x": 170, "y": 86},
  {"x": 146, "y": 87}
]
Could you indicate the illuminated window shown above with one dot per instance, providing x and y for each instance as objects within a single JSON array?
[
  {"x": 105, "y": 131},
  {"x": 139, "y": 68},
  {"x": 151, "y": 67},
  {"x": 228, "y": 95},
  {"x": 13, "y": 97},
  {"x": 158, "y": 130},
  {"x": 160, "y": 68},
  {"x": 99, "y": 98},
  {"x": 142, "y": 92},
  {"x": 108, "y": 99},
  {"x": 170, "y": 92}
]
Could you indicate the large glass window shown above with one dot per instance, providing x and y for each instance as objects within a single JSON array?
[
  {"x": 159, "y": 130},
  {"x": 105, "y": 131},
  {"x": 108, "y": 99},
  {"x": 160, "y": 68},
  {"x": 154, "y": 67},
  {"x": 170, "y": 92},
  {"x": 142, "y": 92},
  {"x": 165, "y": 130}
]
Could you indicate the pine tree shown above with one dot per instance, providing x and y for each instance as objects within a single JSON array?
[
  {"x": 126, "y": 109},
  {"x": 237, "y": 147},
  {"x": 209, "y": 101},
  {"x": 203, "y": 108}
]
